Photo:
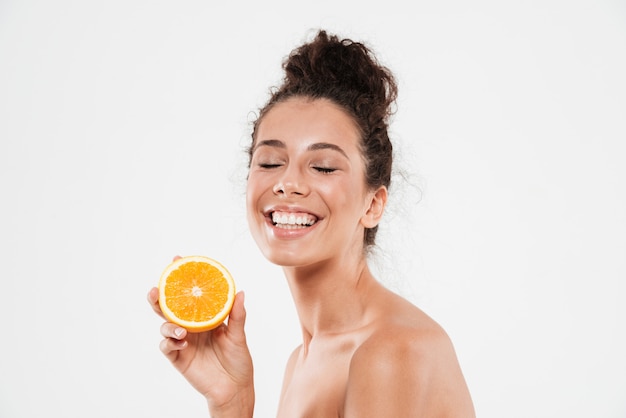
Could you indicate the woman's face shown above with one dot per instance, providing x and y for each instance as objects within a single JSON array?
[{"x": 307, "y": 200}]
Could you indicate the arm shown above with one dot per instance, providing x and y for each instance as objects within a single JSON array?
[{"x": 407, "y": 374}]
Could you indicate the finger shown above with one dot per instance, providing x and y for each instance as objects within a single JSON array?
[
  {"x": 174, "y": 340},
  {"x": 237, "y": 317},
  {"x": 170, "y": 330},
  {"x": 153, "y": 300},
  {"x": 171, "y": 347}
]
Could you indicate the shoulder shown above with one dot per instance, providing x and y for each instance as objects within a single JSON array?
[
  {"x": 404, "y": 332},
  {"x": 291, "y": 362},
  {"x": 404, "y": 348},
  {"x": 407, "y": 368}
]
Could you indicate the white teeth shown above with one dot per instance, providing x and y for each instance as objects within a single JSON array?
[{"x": 290, "y": 219}]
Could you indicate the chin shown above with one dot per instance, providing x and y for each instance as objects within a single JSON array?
[
  {"x": 290, "y": 255},
  {"x": 284, "y": 258}
]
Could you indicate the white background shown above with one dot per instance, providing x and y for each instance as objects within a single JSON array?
[{"x": 123, "y": 126}]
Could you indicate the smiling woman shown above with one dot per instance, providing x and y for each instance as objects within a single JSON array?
[
  {"x": 320, "y": 166},
  {"x": 313, "y": 171}
]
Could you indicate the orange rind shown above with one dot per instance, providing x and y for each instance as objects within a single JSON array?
[{"x": 196, "y": 293}]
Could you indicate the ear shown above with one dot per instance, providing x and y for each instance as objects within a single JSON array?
[{"x": 377, "y": 201}]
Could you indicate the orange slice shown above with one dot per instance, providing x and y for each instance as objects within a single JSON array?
[{"x": 196, "y": 292}]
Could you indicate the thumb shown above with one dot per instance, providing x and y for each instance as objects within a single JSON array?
[{"x": 237, "y": 316}]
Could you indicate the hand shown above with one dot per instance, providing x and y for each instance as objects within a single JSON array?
[{"x": 216, "y": 363}]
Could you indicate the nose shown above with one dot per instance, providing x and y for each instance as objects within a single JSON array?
[{"x": 291, "y": 183}]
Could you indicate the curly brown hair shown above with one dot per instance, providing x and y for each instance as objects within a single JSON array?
[{"x": 348, "y": 74}]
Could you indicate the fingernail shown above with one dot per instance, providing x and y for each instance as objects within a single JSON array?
[{"x": 179, "y": 331}]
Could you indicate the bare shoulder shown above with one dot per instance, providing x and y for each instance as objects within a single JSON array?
[
  {"x": 288, "y": 374},
  {"x": 407, "y": 367},
  {"x": 410, "y": 342},
  {"x": 407, "y": 331}
]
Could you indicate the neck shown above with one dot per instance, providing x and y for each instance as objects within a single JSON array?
[{"x": 331, "y": 297}]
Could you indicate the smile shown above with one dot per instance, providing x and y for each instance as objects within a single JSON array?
[{"x": 291, "y": 220}]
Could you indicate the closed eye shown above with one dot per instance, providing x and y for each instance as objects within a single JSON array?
[
  {"x": 269, "y": 166},
  {"x": 325, "y": 170}
]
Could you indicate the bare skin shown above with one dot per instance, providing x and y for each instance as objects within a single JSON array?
[
  {"x": 378, "y": 356},
  {"x": 366, "y": 352}
]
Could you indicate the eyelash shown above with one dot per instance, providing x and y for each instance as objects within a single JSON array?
[{"x": 323, "y": 170}]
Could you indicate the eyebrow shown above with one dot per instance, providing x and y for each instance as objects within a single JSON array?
[
  {"x": 326, "y": 145},
  {"x": 269, "y": 143},
  {"x": 313, "y": 147}
]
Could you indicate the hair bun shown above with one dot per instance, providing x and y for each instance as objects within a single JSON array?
[{"x": 329, "y": 67}]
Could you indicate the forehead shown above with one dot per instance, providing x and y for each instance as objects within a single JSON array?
[{"x": 302, "y": 121}]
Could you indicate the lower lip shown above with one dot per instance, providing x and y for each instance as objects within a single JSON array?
[{"x": 289, "y": 233}]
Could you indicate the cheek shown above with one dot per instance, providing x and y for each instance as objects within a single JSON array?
[
  {"x": 251, "y": 209},
  {"x": 250, "y": 195},
  {"x": 255, "y": 188},
  {"x": 345, "y": 192}
]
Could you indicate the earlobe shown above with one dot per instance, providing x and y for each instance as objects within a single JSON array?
[{"x": 377, "y": 203}]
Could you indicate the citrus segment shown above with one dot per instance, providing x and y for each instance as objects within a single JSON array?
[{"x": 196, "y": 292}]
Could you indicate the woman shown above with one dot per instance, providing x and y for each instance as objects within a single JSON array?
[{"x": 320, "y": 166}]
